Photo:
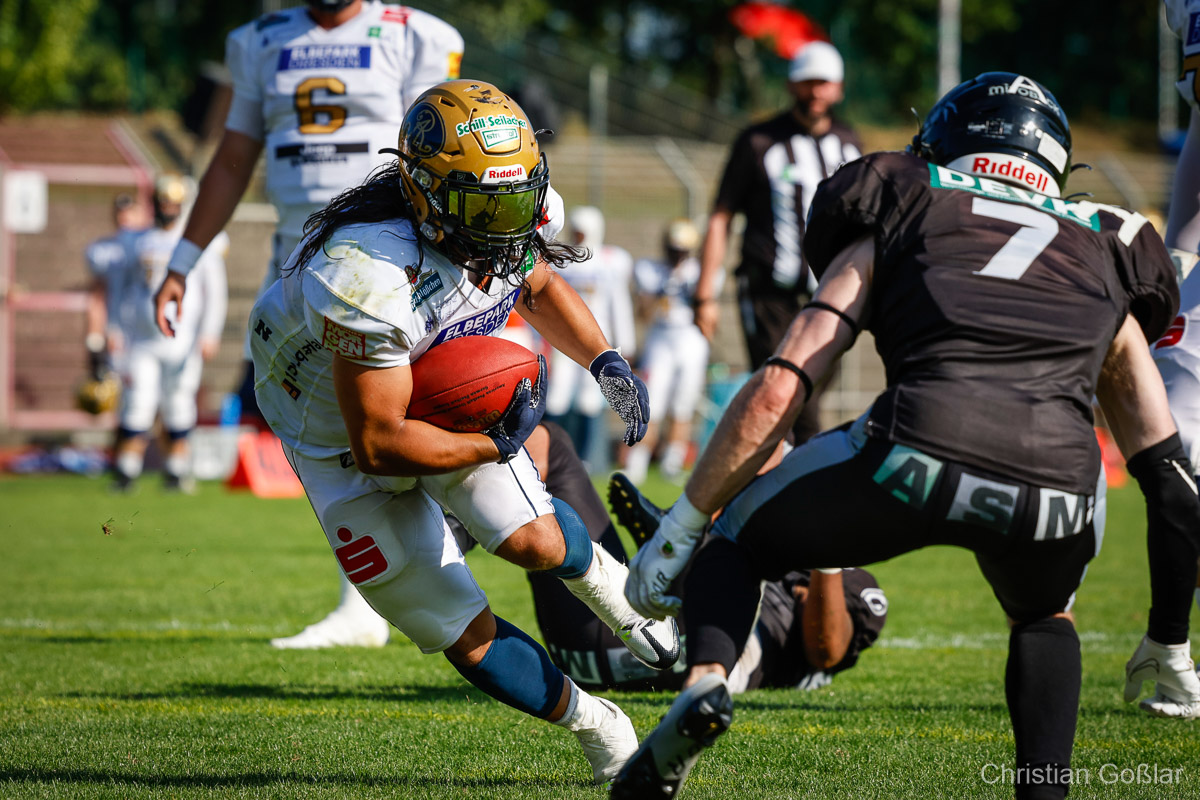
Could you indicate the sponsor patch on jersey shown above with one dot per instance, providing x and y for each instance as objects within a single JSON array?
[
  {"x": 398, "y": 15},
  {"x": 509, "y": 174},
  {"x": 1062, "y": 514},
  {"x": 319, "y": 152},
  {"x": 1084, "y": 214},
  {"x": 343, "y": 341},
  {"x": 986, "y": 503},
  {"x": 424, "y": 131},
  {"x": 424, "y": 287},
  {"x": 374, "y": 31},
  {"x": 481, "y": 324},
  {"x": 1193, "y": 31},
  {"x": 325, "y": 56},
  {"x": 494, "y": 130},
  {"x": 908, "y": 475},
  {"x": 361, "y": 558}
]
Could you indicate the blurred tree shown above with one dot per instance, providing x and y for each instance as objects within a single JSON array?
[
  {"x": 39, "y": 46},
  {"x": 135, "y": 54}
]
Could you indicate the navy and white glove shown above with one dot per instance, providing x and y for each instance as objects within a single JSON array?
[
  {"x": 624, "y": 391},
  {"x": 524, "y": 412}
]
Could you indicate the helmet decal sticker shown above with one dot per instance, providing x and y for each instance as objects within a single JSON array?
[{"x": 426, "y": 132}]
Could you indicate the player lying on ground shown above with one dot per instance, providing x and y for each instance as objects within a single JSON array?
[
  {"x": 810, "y": 627},
  {"x": 441, "y": 244},
  {"x": 999, "y": 310}
]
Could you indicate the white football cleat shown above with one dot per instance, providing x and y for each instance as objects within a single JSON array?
[
  {"x": 1177, "y": 686},
  {"x": 607, "y": 742},
  {"x": 602, "y": 589},
  {"x": 338, "y": 630},
  {"x": 700, "y": 714}
]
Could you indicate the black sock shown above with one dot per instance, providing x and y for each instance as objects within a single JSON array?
[
  {"x": 1041, "y": 684},
  {"x": 1172, "y": 536},
  {"x": 720, "y": 602}
]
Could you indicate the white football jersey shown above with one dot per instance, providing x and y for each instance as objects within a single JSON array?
[
  {"x": 330, "y": 99},
  {"x": 603, "y": 283},
  {"x": 1183, "y": 16},
  {"x": 373, "y": 297},
  {"x": 131, "y": 292},
  {"x": 673, "y": 289}
]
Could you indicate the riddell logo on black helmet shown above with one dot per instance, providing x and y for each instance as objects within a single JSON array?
[{"x": 1009, "y": 169}]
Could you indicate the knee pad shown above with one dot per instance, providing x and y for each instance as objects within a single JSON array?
[{"x": 579, "y": 544}]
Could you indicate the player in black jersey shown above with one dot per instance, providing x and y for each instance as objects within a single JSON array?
[{"x": 1000, "y": 309}]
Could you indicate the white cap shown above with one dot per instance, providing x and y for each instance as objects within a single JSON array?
[
  {"x": 588, "y": 222},
  {"x": 817, "y": 61}
]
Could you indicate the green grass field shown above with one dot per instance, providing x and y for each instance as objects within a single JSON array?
[{"x": 135, "y": 663}]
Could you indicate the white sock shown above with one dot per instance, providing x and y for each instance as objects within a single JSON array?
[
  {"x": 570, "y": 716},
  {"x": 673, "y": 458},
  {"x": 130, "y": 463},
  {"x": 177, "y": 465},
  {"x": 748, "y": 661},
  {"x": 637, "y": 463},
  {"x": 583, "y": 711}
]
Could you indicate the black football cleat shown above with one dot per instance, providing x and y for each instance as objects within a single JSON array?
[
  {"x": 658, "y": 769},
  {"x": 635, "y": 513}
]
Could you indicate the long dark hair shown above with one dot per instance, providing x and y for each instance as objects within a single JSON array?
[{"x": 380, "y": 198}]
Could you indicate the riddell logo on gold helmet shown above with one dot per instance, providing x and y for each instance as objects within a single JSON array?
[{"x": 516, "y": 172}]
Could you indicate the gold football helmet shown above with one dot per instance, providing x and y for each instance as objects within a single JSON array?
[
  {"x": 99, "y": 395},
  {"x": 473, "y": 174}
]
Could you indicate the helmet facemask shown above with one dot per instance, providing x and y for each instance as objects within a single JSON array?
[{"x": 486, "y": 222}]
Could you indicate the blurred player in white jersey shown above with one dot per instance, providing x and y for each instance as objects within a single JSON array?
[
  {"x": 602, "y": 281},
  {"x": 318, "y": 90},
  {"x": 1177, "y": 354},
  {"x": 162, "y": 374},
  {"x": 105, "y": 258},
  {"x": 441, "y": 244},
  {"x": 675, "y": 351}
]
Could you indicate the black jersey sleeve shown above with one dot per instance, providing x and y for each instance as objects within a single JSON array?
[
  {"x": 735, "y": 181},
  {"x": 848, "y": 205},
  {"x": 1147, "y": 275}
]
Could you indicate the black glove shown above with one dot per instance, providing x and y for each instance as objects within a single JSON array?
[
  {"x": 624, "y": 391},
  {"x": 523, "y": 414}
]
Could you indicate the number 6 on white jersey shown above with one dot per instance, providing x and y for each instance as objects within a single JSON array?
[{"x": 1019, "y": 252}]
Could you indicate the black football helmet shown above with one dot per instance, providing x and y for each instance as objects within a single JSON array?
[{"x": 1001, "y": 113}]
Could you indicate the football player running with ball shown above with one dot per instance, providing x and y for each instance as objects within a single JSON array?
[
  {"x": 318, "y": 89},
  {"x": 1000, "y": 309},
  {"x": 439, "y": 244}
]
